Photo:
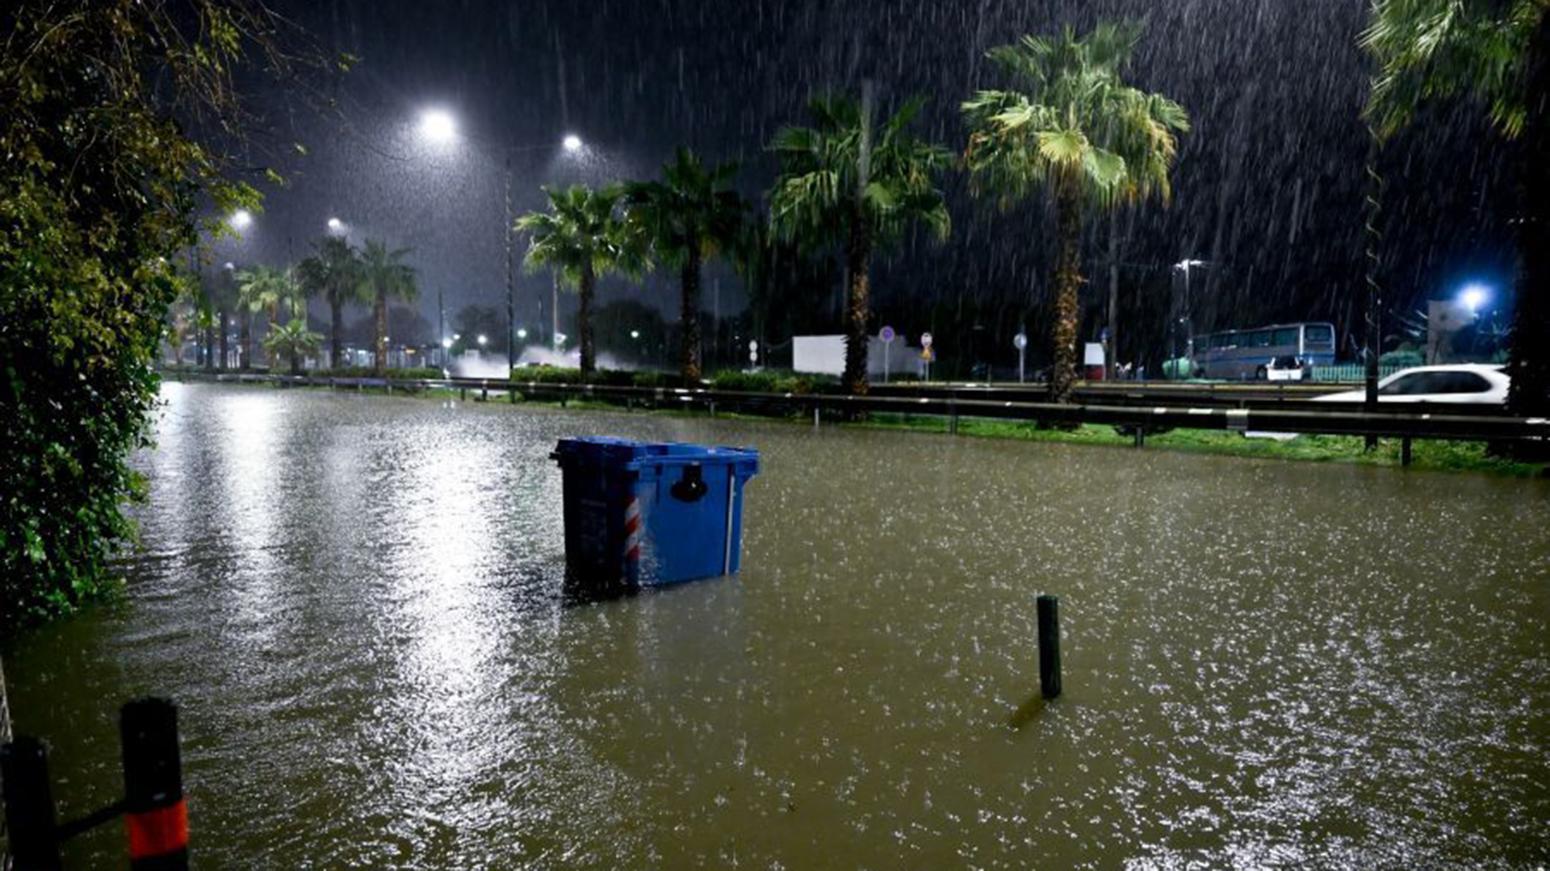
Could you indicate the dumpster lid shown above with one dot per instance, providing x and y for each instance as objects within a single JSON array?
[{"x": 632, "y": 455}]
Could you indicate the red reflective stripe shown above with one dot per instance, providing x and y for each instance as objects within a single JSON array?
[{"x": 158, "y": 832}]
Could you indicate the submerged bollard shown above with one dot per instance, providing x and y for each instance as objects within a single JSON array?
[
  {"x": 1049, "y": 646},
  {"x": 155, "y": 812},
  {"x": 29, "y": 805}
]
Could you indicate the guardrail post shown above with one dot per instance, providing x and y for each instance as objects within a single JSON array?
[
  {"x": 1049, "y": 646},
  {"x": 29, "y": 805},
  {"x": 1140, "y": 436},
  {"x": 484, "y": 391},
  {"x": 952, "y": 425},
  {"x": 462, "y": 394},
  {"x": 155, "y": 811},
  {"x": 1404, "y": 451}
]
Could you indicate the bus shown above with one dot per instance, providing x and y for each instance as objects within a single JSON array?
[{"x": 1246, "y": 354}]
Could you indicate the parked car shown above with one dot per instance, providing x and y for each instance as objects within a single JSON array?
[
  {"x": 1286, "y": 368},
  {"x": 1463, "y": 383}
]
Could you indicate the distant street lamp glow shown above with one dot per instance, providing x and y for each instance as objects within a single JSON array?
[
  {"x": 240, "y": 219},
  {"x": 572, "y": 142},
  {"x": 482, "y": 340},
  {"x": 335, "y": 225},
  {"x": 446, "y": 343},
  {"x": 521, "y": 333},
  {"x": 437, "y": 125},
  {"x": 1474, "y": 296},
  {"x": 634, "y": 334}
]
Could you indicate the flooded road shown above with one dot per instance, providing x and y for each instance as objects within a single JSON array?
[{"x": 357, "y": 602}]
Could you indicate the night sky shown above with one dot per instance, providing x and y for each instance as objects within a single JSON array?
[{"x": 1268, "y": 183}]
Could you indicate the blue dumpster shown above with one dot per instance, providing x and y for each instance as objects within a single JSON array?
[{"x": 651, "y": 513}]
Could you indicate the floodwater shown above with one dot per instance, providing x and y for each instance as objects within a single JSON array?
[{"x": 357, "y": 603}]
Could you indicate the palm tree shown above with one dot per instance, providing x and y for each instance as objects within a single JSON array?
[
  {"x": 1073, "y": 128},
  {"x": 384, "y": 277},
  {"x": 1497, "y": 52},
  {"x": 583, "y": 238},
  {"x": 841, "y": 179},
  {"x": 334, "y": 273},
  {"x": 294, "y": 340},
  {"x": 687, "y": 217},
  {"x": 266, "y": 289}
]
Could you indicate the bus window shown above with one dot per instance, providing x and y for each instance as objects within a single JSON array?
[
  {"x": 1284, "y": 336},
  {"x": 1318, "y": 335}
]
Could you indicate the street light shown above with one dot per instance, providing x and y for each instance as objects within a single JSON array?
[
  {"x": 522, "y": 333},
  {"x": 482, "y": 340},
  {"x": 634, "y": 334},
  {"x": 438, "y": 126},
  {"x": 240, "y": 219},
  {"x": 1189, "y": 325},
  {"x": 1474, "y": 296},
  {"x": 335, "y": 225}
]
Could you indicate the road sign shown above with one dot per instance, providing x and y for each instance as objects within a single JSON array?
[
  {"x": 927, "y": 354},
  {"x": 886, "y": 334},
  {"x": 1020, "y": 341},
  {"x": 753, "y": 344},
  {"x": 925, "y": 340}
]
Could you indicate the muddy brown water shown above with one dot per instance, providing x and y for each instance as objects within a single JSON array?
[{"x": 357, "y": 603}]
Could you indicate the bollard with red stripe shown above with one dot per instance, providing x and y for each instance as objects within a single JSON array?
[{"x": 155, "y": 812}]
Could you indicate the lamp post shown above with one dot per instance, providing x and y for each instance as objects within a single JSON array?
[
  {"x": 438, "y": 126},
  {"x": 1186, "y": 266}
]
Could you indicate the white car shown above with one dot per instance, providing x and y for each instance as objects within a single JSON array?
[
  {"x": 1459, "y": 384},
  {"x": 1285, "y": 369}
]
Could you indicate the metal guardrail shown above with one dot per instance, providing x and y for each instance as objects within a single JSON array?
[{"x": 1137, "y": 419}]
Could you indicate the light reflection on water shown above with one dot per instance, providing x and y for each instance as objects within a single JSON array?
[{"x": 357, "y": 601}]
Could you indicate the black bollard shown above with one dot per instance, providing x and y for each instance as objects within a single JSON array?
[
  {"x": 155, "y": 813},
  {"x": 1049, "y": 646},
  {"x": 29, "y": 805}
]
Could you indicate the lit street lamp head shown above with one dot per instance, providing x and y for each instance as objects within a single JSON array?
[
  {"x": 438, "y": 126},
  {"x": 482, "y": 340},
  {"x": 1474, "y": 296},
  {"x": 521, "y": 333},
  {"x": 335, "y": 225},
  {"x": 241, "y": 219},
  {"x": 572, "y": 142}
]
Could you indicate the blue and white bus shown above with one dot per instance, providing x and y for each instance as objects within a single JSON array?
[{"x": 1245, "y": 354}]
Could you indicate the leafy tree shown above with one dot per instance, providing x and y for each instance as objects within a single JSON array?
[
  {"x": 1070, "y": 127},
  {"x": 583, "y": 238},
  {"x": 1498, "y": 53},
  {"x": 97, "y": 195},
  {"x": 267, "y": 289},
  {"x": 292, "y": 339},
  {"x": 472, "y": 321},
  {"x": 688, "y": 217},
  {"x": 385, "y": 277},
  {"x": 333, "y": 272},
  {"x": 841, "y": 179}
]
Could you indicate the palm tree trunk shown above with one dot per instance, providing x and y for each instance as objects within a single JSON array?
[
  {"x": 379, "y": 359},
  {"x": 584, "y": 322},
  {"x": 1113, "y": 292},
  {"x": 274, "y": 317},
  {"x": 1529, "y": 393},
  {"x": 246, "y": 340},
  {"x": 335, "y": 311},
  {"x": 1068, "y": 283},
  {"x": 858, "y": 308},
  {"x": 224, "y": 340},
  {"x": 689, "y": 317}
]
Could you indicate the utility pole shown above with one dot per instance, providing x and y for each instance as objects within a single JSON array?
[
  {"x": 1113, "y": 294},
  {"x": 511, "y": 279},
  {"x": 441, "y": 325},
  {"x": 1374, "y": 211}
]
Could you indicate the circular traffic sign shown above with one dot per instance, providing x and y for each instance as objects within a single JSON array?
[
  {"x": 1020, "y": 341},
  {"x": 925, "y": 340},
  {"x": 753, "y": 344},
  {"x": 886, "y": 334}
]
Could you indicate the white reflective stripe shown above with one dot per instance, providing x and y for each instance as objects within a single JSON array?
[{"x": 726, "y": 554}]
